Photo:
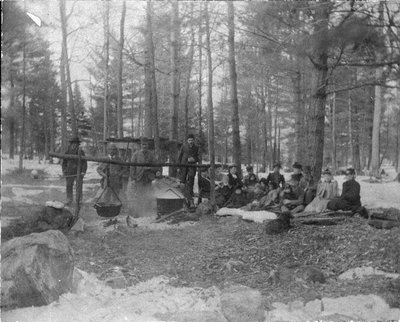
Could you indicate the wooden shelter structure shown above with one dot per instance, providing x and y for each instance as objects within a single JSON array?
[{"x": 128, "y": 145}]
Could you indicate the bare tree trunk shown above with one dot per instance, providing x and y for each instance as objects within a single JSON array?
[
  {"x": 140, "y": 117},
  {"x": 175, "y": 88},
  {"x": 51, "y": 125},
  {"x": 333, "y": 134},
  {"x": 74, "y": 126},
  {"x": 153, "y": 115},
  {"x": 107, "y": 57},
  {"x": 299, "y": 116},
  {"x": 12, "y": 119},
  {"x": 189, "y": 73},
  {"x": 319, "y": 96},
  {"x": 210, "y": 107},
  {"x": 278, "y": 159},
  {"x": 264, "y": 127},
  {"x": 200, "y": 45},
  {"x": 350, "y": 127},
  {"x": 22, "y": 142},
  {"x": 248, "y": 139},
  {"x": 375, "y": 154},
  {"x": 120, "y": 123},
  {"x": 233, "y": 88}
]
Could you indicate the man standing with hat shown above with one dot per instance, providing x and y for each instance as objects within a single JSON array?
[
  {"x": 189, "y": 154},
  {"x": 111, "y": 173},
  {"x": 70, "y": 168},
  {"x": 144, "y": 175}
]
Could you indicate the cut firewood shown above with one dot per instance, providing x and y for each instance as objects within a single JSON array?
[
  {"x": 169, "y": 215},
  {"x": 383, "y": 224},
  {"x": 392, "y": 214},
  {"x": 320, "y": 221}
]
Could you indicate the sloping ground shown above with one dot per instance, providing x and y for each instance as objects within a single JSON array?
[
  {"x": 215, "y": 251},
  {"x": 219, "y": 250}
]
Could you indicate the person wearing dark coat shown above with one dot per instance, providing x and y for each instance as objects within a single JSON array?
[
  {"x": 189, "y": 154},
  {"x": 277, "y": 179},
  {"x": 350, "y": 199},
  {"x": 234, "y": 179},
  {"x": 70, "y": 169},
  {"x": 251, "y": 179}
]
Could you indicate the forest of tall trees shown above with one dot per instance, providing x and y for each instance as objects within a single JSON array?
[{"x": 256, "y": 82}]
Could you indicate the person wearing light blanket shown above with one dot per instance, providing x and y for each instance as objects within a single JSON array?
[{"x": 327, "y": 190}]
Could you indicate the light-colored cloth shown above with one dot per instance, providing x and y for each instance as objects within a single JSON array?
[{"x": 325, "y": 191}]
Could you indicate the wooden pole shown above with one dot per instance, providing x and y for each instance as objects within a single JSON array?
[
  {"x": 78, "y": 187},
  {"x": 106, "y": 160}
]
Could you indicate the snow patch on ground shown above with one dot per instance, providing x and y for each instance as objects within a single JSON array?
[
  {"x": 360, "y": 272},
  {"x": 353, "y": 307},
  {"x": 256, "y": 216},
  {"x": 95, "y": 301}
]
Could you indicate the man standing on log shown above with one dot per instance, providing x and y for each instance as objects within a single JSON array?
[
  {"x": 350, "y": 198},
  {"x": 189, "y": 154},
  {"x": 70, "y": 169}
]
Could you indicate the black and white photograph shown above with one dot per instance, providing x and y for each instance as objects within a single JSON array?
[{"x": 200, "y": 161}]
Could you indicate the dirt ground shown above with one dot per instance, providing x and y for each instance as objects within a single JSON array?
[{"x": 216, "y": 251}]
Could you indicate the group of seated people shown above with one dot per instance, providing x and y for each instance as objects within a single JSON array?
[{"x": 300, "y": 193}]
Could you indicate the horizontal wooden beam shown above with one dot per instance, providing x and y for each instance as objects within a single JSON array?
[{"x": 130, "y": 164}]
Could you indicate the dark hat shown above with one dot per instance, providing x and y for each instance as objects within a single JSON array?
[
  {"x": 350, "y": 171},
  {"x": 113, "y": 147},
  {"x": 297, "y": 165},
  {"x": 190, "y": 136},
  {"x": 295, "y": 177},
  {"x": 277, "y": 165},
  {"x": 249, "y": 167},
  {"x": 144, "y": 140},
  {"x": 327, "y": 171},
  {"x": 232, "y": 165},
  {"x": 75, "y": 140}
]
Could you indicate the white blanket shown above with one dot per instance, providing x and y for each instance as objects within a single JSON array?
[{"x": 256, "y": 216}]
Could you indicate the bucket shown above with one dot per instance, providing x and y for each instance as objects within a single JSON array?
[{"x": 166, "y": 206}]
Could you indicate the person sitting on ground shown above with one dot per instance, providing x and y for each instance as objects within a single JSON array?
[
  {"x": 298, "y": 169},
  {"x": 327, "y": 189},
  {"x": 265, "y": 201},
  {"x": 275, "y": 177},
  {"x": 292, "y": 196},
  {"x": 308, "y": 184},
  {"x": 237, "y": 199},
  {"x": 222, "y": 192},
  {"x": 204, "y": 183},
  {"x": 250, "y": 179},
  {"x": 234, "y": 179},
  {"x": 350, "y": 199}
]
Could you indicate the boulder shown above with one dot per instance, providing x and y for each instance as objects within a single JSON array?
[
  {"x": 37, "y": 219},
  {"x": 241, "y": 303},
  {"x": 36, "y": 269}
]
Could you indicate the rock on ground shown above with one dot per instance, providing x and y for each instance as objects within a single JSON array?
[
  {"x": 241, "y": 303},
  {"x": 36, "y": 220},
  {"x": 36, "y": 269}
]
